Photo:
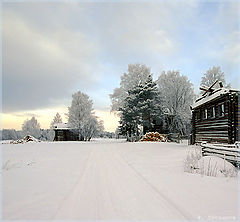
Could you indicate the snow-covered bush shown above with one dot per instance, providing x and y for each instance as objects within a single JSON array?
[{"x": 191, "y": 160}]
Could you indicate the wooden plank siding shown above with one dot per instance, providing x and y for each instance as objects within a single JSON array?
[
  {"x": 237, "y": 117},
  {"x": 217, "y": 128},
  {"x": 65, "y": 135}
]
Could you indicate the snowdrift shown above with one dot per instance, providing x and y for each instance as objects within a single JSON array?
[{"x": 216, "y": 166}]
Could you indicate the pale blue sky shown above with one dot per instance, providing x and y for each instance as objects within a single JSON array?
[{"x": 52, "y": 48}]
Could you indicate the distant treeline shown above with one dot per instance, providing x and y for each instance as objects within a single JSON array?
[
  {"x": 44, "y": 135},
  {"x": 12, "y": 134}
]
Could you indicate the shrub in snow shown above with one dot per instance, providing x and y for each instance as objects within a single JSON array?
[
  {"x": 191, "y": 160},
  {"x": 6, "y": 165},
  {"x": 151, "y": 136}
]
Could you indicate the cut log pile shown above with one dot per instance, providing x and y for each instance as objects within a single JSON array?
[
  {"x": 154, "y": 136},
  {"x": 26, "y": 139}
]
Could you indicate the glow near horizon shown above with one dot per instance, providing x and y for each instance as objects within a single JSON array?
[{"x": 45, "y": 117}]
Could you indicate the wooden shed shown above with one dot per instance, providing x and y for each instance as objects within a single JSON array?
[
  {"x": 64, "y": 133},
  {"x": 215, "y": 116}
]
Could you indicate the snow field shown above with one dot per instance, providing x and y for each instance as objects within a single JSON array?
[{"x": 110, "y": 179}]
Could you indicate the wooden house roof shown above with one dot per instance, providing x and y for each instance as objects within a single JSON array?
[
  {"x": 210, "y": 97},
  {"x": 61, "y": 126},
  {"x": 212, "y": 94}
]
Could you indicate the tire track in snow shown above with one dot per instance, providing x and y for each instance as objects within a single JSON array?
[
  {"x": 85, "y": 201},
  {"x": 181, "y": 211},
  {"x": 61, "y": 204}
]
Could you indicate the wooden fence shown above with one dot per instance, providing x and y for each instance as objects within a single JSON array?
[{"x": 228, "y": 152}]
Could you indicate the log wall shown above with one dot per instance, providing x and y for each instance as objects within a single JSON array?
[{"x": 217, "y": 128}]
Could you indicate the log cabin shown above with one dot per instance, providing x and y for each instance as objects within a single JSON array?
[
  {"x": 215, "y": 116},
  {"x": 64, "y": 133}
]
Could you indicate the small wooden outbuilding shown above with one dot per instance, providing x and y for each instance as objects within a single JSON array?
[
  {"x": 64, "y": 133},
  {"x": 215, "y": 116}
]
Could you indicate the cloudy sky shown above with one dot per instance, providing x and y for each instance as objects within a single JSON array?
[{"x": 51, "y": 49}]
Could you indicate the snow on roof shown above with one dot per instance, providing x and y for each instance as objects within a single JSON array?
[
  {"x": 211, "y": 96},
  {"x": 60, "y": 126}
]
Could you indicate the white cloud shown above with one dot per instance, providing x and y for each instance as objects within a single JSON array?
[{"x": 41, "y": 66}]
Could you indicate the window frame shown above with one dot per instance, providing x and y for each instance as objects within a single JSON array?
[
  {"x": 212, "y": 112},
  {"x": 205, "y": 114},
  {"x": 222, "y": 105}
]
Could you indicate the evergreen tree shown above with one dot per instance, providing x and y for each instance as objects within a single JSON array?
[
  {"x": 141, "y": 108},
  {"x": 149, "y": 104},
  {"x": 136, "y": 74},
  {"x": 130, "y": 115}
]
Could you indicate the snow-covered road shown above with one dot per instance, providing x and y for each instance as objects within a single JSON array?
[{"x": 110, "y": 180}]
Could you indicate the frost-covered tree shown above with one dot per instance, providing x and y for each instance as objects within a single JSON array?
[
  {"x": 136, "y": 74},
  {"x": 47, "y": 135},
  {"x": 81, "y": 117},
  {"x": 92, "y": 127},
  {"x": 31, "y": 127},
  {"x": 100, "y": 128},
  {"x": 213, "y": 74},
  {"x": 11, "y": 134},
  {"x": 57, "y": 119},
  {"x": 177, "y": 94},
  {"x": 80, "y": 112}
]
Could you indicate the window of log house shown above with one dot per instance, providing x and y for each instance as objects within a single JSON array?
[
  {"x": 212, "y": 112},
  {"x": 221, "y": 110},
  {"x": 204, "y": 114},
  {"x": 198, "y": 115}
]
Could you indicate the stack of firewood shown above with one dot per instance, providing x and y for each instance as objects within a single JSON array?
[
  {"x": 26, "y": 139},
  {"x": 151, "y": 136}
]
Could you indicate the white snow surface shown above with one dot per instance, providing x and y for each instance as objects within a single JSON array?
[{"x": 110, "y": 180}]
